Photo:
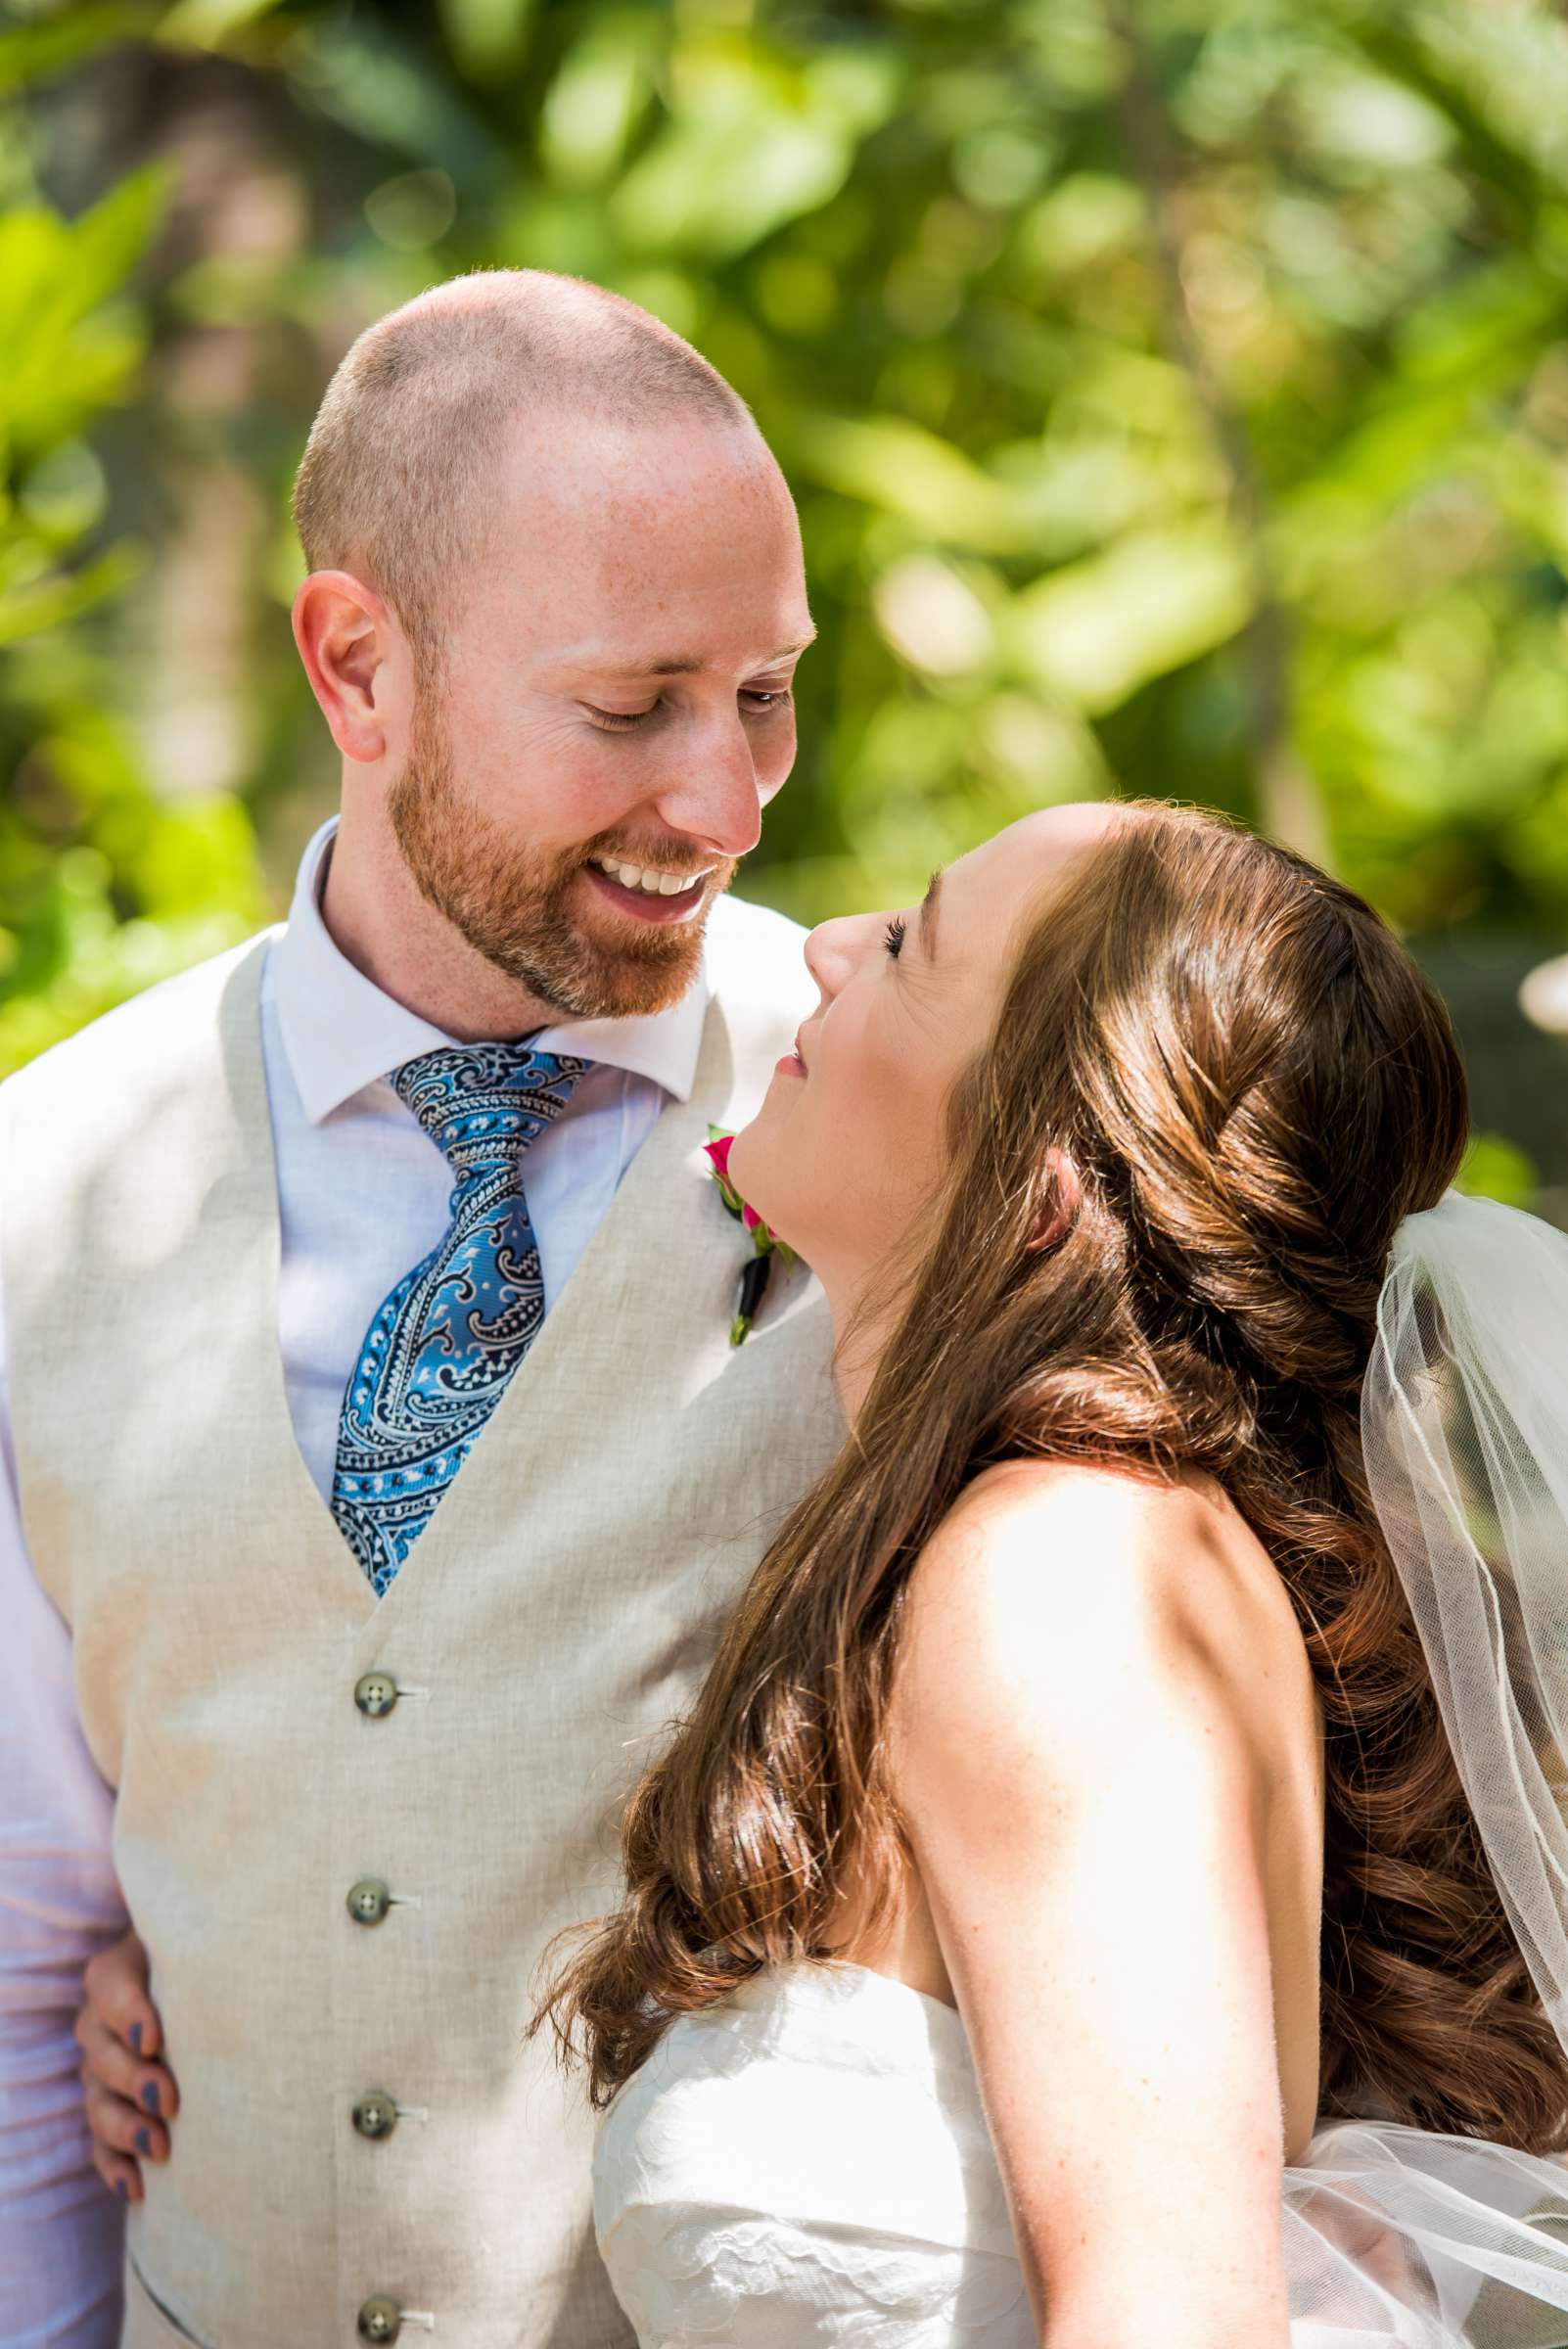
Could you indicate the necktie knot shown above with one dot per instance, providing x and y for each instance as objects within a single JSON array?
[{"x": 483, "y": 1104}]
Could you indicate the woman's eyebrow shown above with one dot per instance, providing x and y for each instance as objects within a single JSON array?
[{"x": 927, "y": 916}]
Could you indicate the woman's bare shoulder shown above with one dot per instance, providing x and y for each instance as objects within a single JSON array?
[
  {"x": 1047, "y": 1518},
  {"x": 1043, "y": 1567}
]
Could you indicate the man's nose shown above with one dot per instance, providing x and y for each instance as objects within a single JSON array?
[{"x": 718, "y": 795}]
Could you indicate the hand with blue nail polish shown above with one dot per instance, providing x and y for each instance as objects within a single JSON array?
[{"x": 130, "y": 2095}]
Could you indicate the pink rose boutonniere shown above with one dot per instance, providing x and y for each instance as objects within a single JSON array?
[{"x": 765, "y": 1244}]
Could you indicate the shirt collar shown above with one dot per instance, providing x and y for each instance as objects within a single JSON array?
[{"x": 342, "y": 1032}]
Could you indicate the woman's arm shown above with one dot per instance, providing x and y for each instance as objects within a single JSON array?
[{"x": 1085, "y": 1810}]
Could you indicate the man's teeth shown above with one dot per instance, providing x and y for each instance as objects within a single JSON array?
[{"x": 652, "y": 884}]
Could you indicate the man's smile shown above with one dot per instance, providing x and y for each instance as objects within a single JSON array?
[{"x": 669, "y": 898}]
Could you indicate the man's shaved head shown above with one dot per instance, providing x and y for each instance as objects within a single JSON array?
[
  {"x": 553, "y": 610},
  {"x": 397, "y": 482}
]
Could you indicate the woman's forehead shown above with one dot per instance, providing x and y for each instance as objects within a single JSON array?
[{"x": 1014, "y": 861}]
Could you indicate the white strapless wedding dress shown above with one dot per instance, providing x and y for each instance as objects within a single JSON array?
[{"x": 808, "y": 2162}]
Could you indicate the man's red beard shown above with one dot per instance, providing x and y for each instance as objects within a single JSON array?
[{"x": 514, "y": 904}]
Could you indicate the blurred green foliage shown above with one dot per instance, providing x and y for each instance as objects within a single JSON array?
[
  {"x": 104, "y": 886},
  {"x": 1175, "y": 393}
]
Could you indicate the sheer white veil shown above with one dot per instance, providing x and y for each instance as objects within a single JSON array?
[
  {"x": 1402, "y": 2235},
  {"x": 1464, "y": 1427}
]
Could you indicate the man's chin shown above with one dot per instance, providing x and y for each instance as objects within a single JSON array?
[
  {"x": 637, "y": 994},
  {"x": 627, "y": 968},
  {"x": 603, "y": 978}
]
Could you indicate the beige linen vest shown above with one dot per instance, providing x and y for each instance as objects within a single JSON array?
[{"x": 556, "y": 1614}]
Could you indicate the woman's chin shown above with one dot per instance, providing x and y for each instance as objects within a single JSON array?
[
  {"x": 751, "y": 1173},
  {"x": 743, "y": 1162}
]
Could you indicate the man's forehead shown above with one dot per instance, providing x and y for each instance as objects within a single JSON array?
[{"x": 552, "y": 460}]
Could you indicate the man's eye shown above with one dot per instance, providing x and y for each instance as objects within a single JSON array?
[
  {"x": 763, "y": 702},
  {"x": 619, "y": 721}
]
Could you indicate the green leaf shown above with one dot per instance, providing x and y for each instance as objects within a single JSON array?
[
  {"x": 913, "y": 473},
  {"x": 746, "y": 150},
  {"x": 31, "y": 52},
  {"x": 600, "y": 91},
  {"x": 50, "y": 603},
  {"x": 70, "y": 348},
  {"x": 382, "y": 91},
  {"x": 108, "y": 240},
  {"x": 207, "y": 23},
  {"x": 488, "y": 36},
  {"x": 1095, "y": 631},
  {"x": 1498, "y": 1169}
]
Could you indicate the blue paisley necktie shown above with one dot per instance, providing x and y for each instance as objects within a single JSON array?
[{"x": 437, "y": 1358}]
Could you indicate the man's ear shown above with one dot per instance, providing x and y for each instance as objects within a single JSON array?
[
  {"x": 344, "y": 633},
  {"x": 1059, "y": 1204}
]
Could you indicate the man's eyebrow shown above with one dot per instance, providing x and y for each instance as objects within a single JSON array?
[
  {"x": 685, "y": 664},
  {"x": 927, "y": 916}
]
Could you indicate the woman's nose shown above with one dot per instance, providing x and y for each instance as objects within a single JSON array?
[{"x": 829, "y": 955}]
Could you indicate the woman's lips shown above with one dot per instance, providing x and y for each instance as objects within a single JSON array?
[{"x": 642, "y": 906}]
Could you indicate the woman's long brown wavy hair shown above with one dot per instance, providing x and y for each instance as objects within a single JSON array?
[{"x": 1253, "y": 1084}]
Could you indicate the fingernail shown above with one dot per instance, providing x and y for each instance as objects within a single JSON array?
[
  {"x": 150, "y": 2095},
  {"x": 144, "y": 2140},
  {"x": 136, "y": 2039},
  {"x": 122, "y": 2190}
]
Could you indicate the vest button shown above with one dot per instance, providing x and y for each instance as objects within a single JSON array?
[
  {"x": 380, "y": 2321},
  {"x": 368, "y": 1904},
  {"x": 376, "y": 1693},
  {"x": 375, "y": 2114}
]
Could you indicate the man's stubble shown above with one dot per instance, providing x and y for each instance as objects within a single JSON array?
[{"x": 513, "y": 903}]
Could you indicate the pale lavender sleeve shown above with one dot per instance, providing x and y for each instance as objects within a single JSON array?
[{"x": 61, "y": 2232}]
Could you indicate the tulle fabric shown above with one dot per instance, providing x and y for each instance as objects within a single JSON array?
[
  {"x": 1396, "y": 2234},
  {"x": 807, "y": 2165},
  {"x": 1464, "y": 1428}
]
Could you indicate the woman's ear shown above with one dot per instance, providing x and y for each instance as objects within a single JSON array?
[{"x": 1059, "y": 1205}]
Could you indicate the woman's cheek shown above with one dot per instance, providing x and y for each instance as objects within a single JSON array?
[
  {"x": 886, "y": 1094},
  {"x": 907, "y": 1116}
]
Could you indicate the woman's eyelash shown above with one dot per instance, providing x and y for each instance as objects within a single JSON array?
[{"x": 895, "y": 940}]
